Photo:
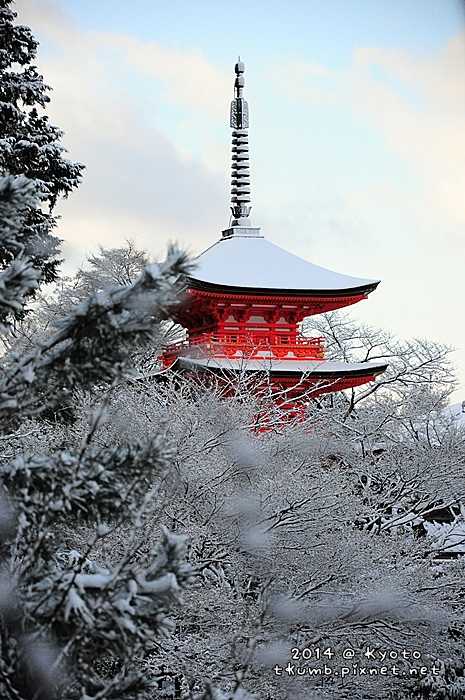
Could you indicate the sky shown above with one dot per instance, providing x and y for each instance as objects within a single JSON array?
[{"x": 357, "y": 136}]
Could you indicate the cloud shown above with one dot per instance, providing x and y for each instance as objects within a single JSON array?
[
  {"x": 416, "y": 102},
  {"x": 428, "y": 129},
  {"x": 187, "y": 77},
  {"x": 137, "y": 183},
  {"x": 410, "y": 218}
]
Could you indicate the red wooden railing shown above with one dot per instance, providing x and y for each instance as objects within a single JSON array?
[{"x": 279, "y": 346}]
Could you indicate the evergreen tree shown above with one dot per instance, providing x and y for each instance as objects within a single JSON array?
[
  {"x": 59, "y": 606},
  {"x": 30, "y": 145}
]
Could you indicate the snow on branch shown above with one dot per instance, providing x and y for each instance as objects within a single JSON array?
[
  {"x": 92, "y": 344},
  {"x": 19, "y": 277}
]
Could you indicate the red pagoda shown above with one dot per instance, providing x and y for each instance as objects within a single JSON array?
[{"x": 247, "y": 296}]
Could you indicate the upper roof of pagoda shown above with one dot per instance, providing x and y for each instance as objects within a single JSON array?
[
  {"x": 249, "y": 262},
  {"x": 243, "y": 260}
]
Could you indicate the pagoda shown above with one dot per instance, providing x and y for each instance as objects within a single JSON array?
[{"x": 246, "y": 297}]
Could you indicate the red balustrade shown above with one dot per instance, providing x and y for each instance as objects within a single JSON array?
[{"x": 250, "y": 345}]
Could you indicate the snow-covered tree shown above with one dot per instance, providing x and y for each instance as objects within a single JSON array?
[
  {"x": 31, "y": 146},
  {"x": 314, "y": 533},
  {"x": 411, "y": 363},
  {"x": 20, "y": 277},
  {"x": 284, "y": 543},
  {"x": 101, "y": 273},
  {"x": 69, "y": 626},
  {"x": 111, "y": 267}
]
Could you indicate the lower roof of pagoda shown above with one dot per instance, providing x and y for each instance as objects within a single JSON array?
[
  {"x": 251, "y": 263},
  {"x": 282, "y": 367}
]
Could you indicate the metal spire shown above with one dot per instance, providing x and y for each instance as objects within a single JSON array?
[{"x": 240, "y": 182}]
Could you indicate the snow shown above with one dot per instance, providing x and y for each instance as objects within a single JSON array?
[
  {"x": 315, "y": 366},
  {"x": 448, "y": 537},
  {"x": 456, "y": 412},
  {"x": 254, "y": 262}
]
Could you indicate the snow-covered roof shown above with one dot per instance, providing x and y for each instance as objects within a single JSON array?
[
  {"x": 253, "y": 262},
  {"x": 315, "y": 367}
]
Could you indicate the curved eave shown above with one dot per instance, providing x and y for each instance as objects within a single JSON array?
[
  {"x": 318, "y": 369},
  {"x": 364, "y": 290}
]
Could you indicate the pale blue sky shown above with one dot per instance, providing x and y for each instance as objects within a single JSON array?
[
  {"x": 357, "y": 138},
  {"x": 324, "y": 30}
]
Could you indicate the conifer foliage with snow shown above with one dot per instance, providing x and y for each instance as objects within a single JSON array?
[
  {"x": 31, "y": 146},
  {"x": 60, "y": 610}
]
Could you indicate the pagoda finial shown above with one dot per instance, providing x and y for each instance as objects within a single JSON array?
[{"x": 239, "y": 122}]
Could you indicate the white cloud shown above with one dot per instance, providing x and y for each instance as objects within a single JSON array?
[
  {"x": 428, "y": 129},
  {"x": 416, "y": 102},
  {"x": 187, "y": 76},
  {"x": 137, "y": 183},
  {"x": 412, "y": 234}
]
